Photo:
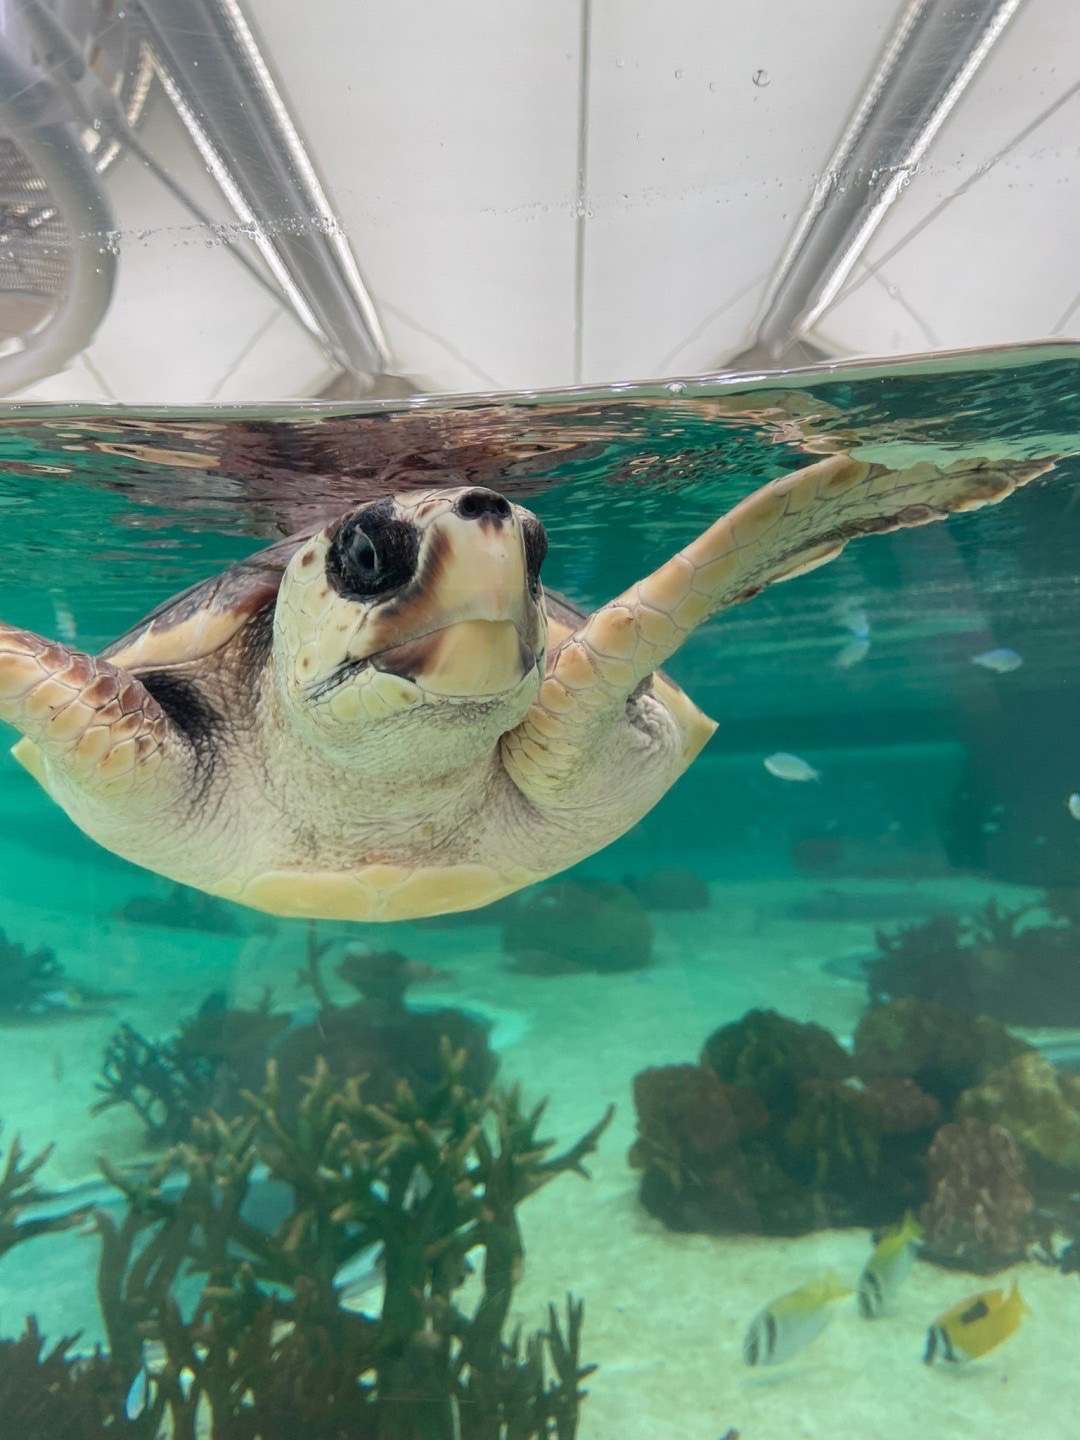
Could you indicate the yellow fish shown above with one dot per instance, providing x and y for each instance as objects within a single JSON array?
[
  {"x": 975, "y": 1326},
  {"x": 789, "y": 1324},
  {"x": 888, "y": 1267}
]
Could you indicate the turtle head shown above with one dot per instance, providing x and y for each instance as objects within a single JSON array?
[{"x": 425, "y": 605}]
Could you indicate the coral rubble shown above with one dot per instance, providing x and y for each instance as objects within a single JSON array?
[{"x": 979, "y": 1213}]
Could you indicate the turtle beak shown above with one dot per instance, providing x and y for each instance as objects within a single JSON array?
[{"x": 475, "y": 625}]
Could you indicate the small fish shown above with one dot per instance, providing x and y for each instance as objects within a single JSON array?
[
  {"x": 854, "y": 618},
  {"x": 975, "y": 1326},
  {"x": 362, "y": 1270},
  {"x": 853, "y": 653},
  {"x": 61, "y": 999},
  {"x": 789, "y": 1324},
  {"x": 1001, "y": 661},
  {"x": 360, "y": 1282},
  {"x": 65, "y": 620},
  {"x": 888, "y": 1267},
  {"x": 790, "y": 767},
  {"x": 1072, "y": 804},
  {"x": 139, "y": 1394}
]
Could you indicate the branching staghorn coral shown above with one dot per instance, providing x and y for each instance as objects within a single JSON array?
[{"x": 268, "y": 1348}]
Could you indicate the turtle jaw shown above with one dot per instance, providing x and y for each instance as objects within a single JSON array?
[{"x": 472, "y": 660}]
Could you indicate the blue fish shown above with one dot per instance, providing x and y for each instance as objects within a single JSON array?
[{"x": 139, "y": 1395}]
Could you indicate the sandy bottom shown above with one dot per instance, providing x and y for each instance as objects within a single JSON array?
[{"x": 664, "y": 1314}]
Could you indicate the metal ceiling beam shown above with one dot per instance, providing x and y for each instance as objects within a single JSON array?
[
  {"x": 221, "y": 84},
  {"x": 929, "y": 61}
]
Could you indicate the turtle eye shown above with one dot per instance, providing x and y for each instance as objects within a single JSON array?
[
  {"x": 361, "y": 557},
  {"x": 373, "y": 553}
]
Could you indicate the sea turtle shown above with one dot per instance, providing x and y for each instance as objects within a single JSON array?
[{"x": 384, "y": 718}]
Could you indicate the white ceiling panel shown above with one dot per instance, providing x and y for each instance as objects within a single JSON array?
[
  {"x": 597, "y": 190},
  {"x": 981, "y": 245},
  {"x": 708, "y": 127},
  {"x": 446, "y": 136}
]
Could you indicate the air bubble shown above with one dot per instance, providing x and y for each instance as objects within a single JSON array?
[
  {"x": 676, "y": 387},
  {"x": 760, "y": 78}
]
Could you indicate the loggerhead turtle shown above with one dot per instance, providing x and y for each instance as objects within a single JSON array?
[{"x": 384, "y": 718}]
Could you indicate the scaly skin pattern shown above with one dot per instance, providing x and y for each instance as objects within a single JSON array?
[
  {"x": 95, "y": 725},
  {"x": 784, "y": 529}
]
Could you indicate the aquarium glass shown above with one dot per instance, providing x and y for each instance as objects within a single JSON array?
[{"x": 830, "y": 984}]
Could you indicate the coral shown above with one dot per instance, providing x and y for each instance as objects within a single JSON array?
[
  {"x": 20, "y": 1192},
  {"x": 980, "y": 1210},
  {"x": 834, "y": 1138},
  {"x": 686, "y": 1109},
  {"x": 386, "y": 974},
  {"x": 574, "y": 925},
  {"x": 268, "y": 1348},
  {"x": 927, "y": 961},
  {"x": 165, "y": 1089},
  {"x": 223, "y": 1035},
  {"x": 770, "y": 1054},
  {"x": 942, "y": 1051},
  {"x": 671, "y": 889},
  {"x": 366, "y": 1039},
  {"x": 770, "y": 1134},
  {"x": 903, "y": 1107},
  {"x": 690, "y": 1125},
  {"x": 996, "y": 962},
  {"x": 168, "y": 1082},
  {"x": 55, "y": 1395},
  {"x": 222, "y": 1051},
  {"x": 29, "y": 980},
  {"x": 1039, "y": 1104}
]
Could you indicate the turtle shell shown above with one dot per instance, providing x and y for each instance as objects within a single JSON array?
[{"x": 206, "y": 616}]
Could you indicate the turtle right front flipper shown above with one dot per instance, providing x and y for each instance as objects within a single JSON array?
[
  {"x": 786, "y": 528},
  {"x": 86, "y": 722}
]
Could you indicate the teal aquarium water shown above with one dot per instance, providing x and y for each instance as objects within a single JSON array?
[{"x": 808, "y": 1034}]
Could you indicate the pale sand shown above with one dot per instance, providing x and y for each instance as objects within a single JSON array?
[{"x": 664, "y": 1314}]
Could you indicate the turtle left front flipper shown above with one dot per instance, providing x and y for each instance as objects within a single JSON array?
[
  {"x": 786, "y": 528},
  {"x": 88, "y": 724}
]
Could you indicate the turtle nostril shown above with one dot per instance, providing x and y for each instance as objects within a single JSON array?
[{"x": 475, "y": 504}]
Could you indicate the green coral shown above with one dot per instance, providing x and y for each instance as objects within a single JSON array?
[
  {"x": 1037, "y": 1103},
  {"x": 20, "y": 1193},
  {"x": 269, "y": 1348}
]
